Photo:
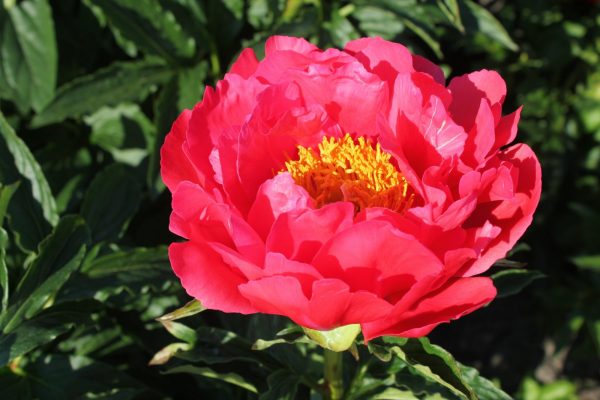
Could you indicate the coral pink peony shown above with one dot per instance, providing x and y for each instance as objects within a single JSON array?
[{"x": 347, "y": 187}]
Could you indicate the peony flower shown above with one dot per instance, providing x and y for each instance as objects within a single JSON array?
[{"x": 347, "y": 187}]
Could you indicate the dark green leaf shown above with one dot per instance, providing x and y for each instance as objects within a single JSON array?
[
  {"x": 57, "y": 376},
  {"x": 477, "y": 18},
  {"x": 28, "y": 54},
  {"x": 6, "y": 193},
  {"x": 437, "y": 360},
  {"x": 120, "y": 82},
  {"x": 512, "y": 281},
  {"x": 3, "y": 270},
  {"x": 426, "y": 362},
  {"x": 60, "y": 254},
  {"x": 484, "y": 388},
  {"x": 38, "y": 331},
  {"x": 27, "y": 167},
  {"x": 124, "y": 131},
  {"x": 110, "y": 202},
  {"x": 148, "y": 26},
  {"x": 451, "y": 10},
  {"x": 128, "y": 261},
  {"x": 206, "y": 372},
  {"x": 282, "y": 386}
]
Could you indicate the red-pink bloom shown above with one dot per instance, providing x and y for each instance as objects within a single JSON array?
[{"x": 425, "y": 193}]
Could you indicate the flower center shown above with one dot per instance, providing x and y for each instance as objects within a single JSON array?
[{"x": 348, "y": 170}]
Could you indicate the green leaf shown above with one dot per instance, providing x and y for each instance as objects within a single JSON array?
[
  {"x": 477, "y": 18},
  {"x": 206, "y": 372},
  {"x": 437, "y": 360},
  {"x": 512, "y": 281},
  {"x": 3, "y": 270},
  {"x": 28, "y": 55},
  {"x": 37, "y": 331},
  {"x": 426, "y": 361},
  {"x": 451, "y": 10},
  {"x": 139, "y": 259},
  {"x": 180, "y": 331},
  {"x": 283, "y": 337},
  {"x": 110, "y": 202},
  {"x": 6, "y": 193},
  {"x": 117, "y": 83},
  {"x": 148, "y": 26},
  {"x": 483, "y": 387},
  {"x": 591, "y": 263},
  {"x": 166, "y": 353},
  {"x": 58, "y": 376},
  {"x": 59, "y": 256},
  {"x": 192, "y": 307},
  {"x": 27, "y": 167},
  {"x": 124, "y": 131},
  {"x": 283, "y": 385}
]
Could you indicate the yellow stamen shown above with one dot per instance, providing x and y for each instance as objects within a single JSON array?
[{"x": 345, "y": 170}]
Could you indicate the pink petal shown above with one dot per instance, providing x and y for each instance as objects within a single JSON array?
[
  {"x": 422, "y": 64},
  {"x": 375, "y": 245},
  {"x": 506, "y": 130},
  {"x": 174, "y": 163},
  {"x": 276, "y": 196},
  {"x": 279, "y": 295},
  {"x": 457, "y": 298},
  {"x": 246, "y": 64},
  {"x": 198, "y": 216},
  {"x": 287, "y": 43},
  {"x": 205, "y": 277},
  {"x": 467, "y": 92},
  {"x": 299, "y": 235},
  {"x": 527, "y": 194},
  {"x": 332, "y": 305},
  {"x": 437, "y": 127},
  {"x": 481, "y": 136},
  {"x": 386, "y": 59}
]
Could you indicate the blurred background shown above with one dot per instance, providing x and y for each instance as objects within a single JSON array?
[{"x": 92, "y": 87}]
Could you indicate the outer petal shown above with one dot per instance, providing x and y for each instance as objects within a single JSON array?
[
  {"x": 174, "y": 163},
  {"x": 386, "y": 59},
  {"x": 246, "y": 64},
  {"x": 279, "y": 295},
  {"x": 371, "y": 253},
  {"x": 527, "y": 196},
  {"x": 457, "y": 298},
  {"x": 222, "y": 111},
  {"x": 206, "y": 277},
  {"x": 287, "y": 43},
  {"x": 467, "y": 92},
  {"x": 199, "y": 217}
]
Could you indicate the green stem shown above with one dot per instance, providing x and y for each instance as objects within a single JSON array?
[{"x": 334, "y": 383}]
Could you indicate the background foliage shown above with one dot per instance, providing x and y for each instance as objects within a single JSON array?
[{"x": 88, "y": 89}]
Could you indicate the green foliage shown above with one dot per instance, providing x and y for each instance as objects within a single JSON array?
[{"x": 88, "y": 91}]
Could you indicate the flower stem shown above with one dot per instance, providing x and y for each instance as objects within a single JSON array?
[{"x": 334, "y": 383}]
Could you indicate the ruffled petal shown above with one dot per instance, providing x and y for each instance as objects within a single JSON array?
[
  {"x": 205, "y": 276},
  {"x": 300, "y": 235},
  {"x": 457, "y": 298},
  {"x": 174, "y": 163}
]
